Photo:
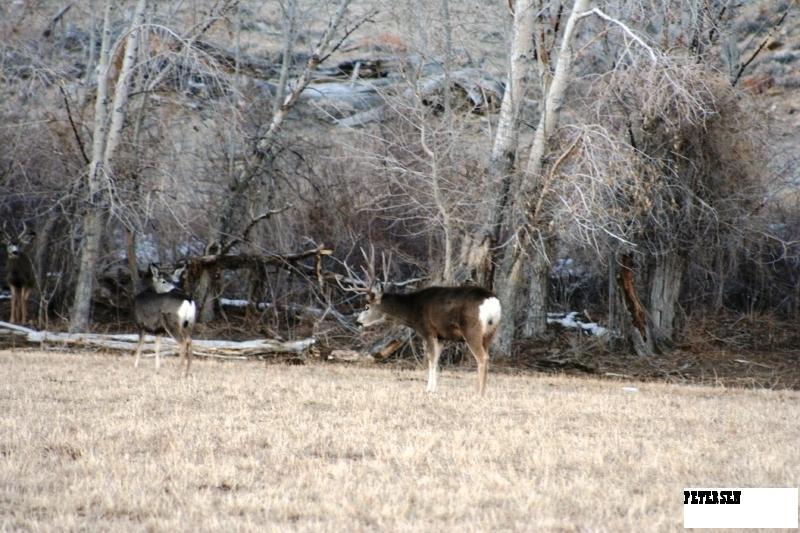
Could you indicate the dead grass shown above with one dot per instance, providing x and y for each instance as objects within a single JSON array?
[{"x": 87, "y": 442}]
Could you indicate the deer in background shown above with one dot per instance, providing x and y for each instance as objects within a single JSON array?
[
  {"x": 20, "y": 274},
  {"x": 469, "y": 314},
  {"x": 163, "y": 308}
]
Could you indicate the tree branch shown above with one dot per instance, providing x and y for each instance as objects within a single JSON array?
[
  {"x": 626, "y": 29},
  {"x": 761, "y": 46},
  {"x": 86, "y": 159}
]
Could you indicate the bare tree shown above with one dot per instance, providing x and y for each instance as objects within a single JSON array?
[
  {"x": 530, "y": 235},
  {"x": 106, "y": 140},
  {"x": 235, "y": 207}
]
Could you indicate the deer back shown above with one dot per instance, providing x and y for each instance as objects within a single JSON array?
[
  {"x": 443, "y": 312},
  {"x": 154, "y": 309}
]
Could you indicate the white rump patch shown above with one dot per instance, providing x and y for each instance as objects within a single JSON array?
[
  {"x": 489, "y": 313},
  {"x": 187, "y": 312}
]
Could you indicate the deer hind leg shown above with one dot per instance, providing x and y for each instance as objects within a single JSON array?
[
  {"x": 139, "y": 349},
  {"x": 188, "y": 351},
  {"x": 158, "y": 349},
  {"x": 182, "y": 357},
  {"x": 475, "y": 343},
  {"x": 433, "y": 349}
]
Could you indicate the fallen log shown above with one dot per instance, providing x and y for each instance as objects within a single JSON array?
[{"x": 127, "y": 342}]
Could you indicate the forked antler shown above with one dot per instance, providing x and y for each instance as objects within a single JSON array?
[
  {"x": 369, "y": 282},
  {"x": 7, "y": 237}
]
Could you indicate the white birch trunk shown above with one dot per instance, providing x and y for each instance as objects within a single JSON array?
[
  {"x": 105, "y": 141},
  {"x": 81, "y": 309},
  {"x": 505, "y": 138},
  {"x": 504, "y": 149},
  {"x": 513, "y": 286}
]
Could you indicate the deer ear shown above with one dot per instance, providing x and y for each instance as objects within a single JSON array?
[
  {"x": 178, "y": 272},
  {"x": 153, "y": 270}
]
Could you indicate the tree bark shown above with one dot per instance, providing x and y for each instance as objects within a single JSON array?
[
  {"x": 539, "y": 276},
  {"x": 504, "y": 149},
  {"x": 105, "y": 142},
  {"x": 81, "y": 309},
  {"x": 634, "y": 315},
  {"x": 665, "y": 288},
  {"x": 531, "y": 187}
]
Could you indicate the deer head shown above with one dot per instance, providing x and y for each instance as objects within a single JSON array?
[
  {"x": 369, "y": 286},
  {"x": 160, "y": 282},
  {"x": 16, "y": 245},
  {"x": 372, "y": 313}
]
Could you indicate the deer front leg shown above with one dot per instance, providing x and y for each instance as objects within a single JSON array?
[
  {"x": 432, "y": 350},
  {"x": 14, "y": 304},
  {"x": 24, "y": 305}
]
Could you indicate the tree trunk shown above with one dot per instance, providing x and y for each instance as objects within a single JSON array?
[
  {"x": 539, "y": 274},
  {"x": 633, "y": 311},
  {"x": 531, "y": 186},
  {"x": 501, "y": 162},
  {"x": 92, "y": 222},
  {"x": 510, "y": 298},
  {"x": 105, "y": 142},
  {"x": 665, "y": 288}
]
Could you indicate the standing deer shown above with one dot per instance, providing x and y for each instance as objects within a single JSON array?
[
  {"x": 20, "y": 275},
  {"x": 471, "y": 314},
  {"x": 163, "y": 308}
]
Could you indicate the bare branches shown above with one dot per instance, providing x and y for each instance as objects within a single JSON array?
[
  {"x": 680, "y": 184},
  {"x": 349, "y": 31},
  {"x": 626, "y": 29},
  {"x": 254, "y": 220}
]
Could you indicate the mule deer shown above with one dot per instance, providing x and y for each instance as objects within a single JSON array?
[
  {"x": 20, "y": 275},
  {"x": 163, "y": 308},
  {"x": 467, "y": 313}
]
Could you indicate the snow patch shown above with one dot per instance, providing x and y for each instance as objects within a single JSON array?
[
  {"x": 230, "y": 302},
  {"x": 570, "y": 321}
]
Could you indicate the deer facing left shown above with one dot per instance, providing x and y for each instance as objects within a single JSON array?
[
  {"x": 20, "y": 275},
  {"x": 466, "y": 313},
  {"x": 163, "y": 308}
]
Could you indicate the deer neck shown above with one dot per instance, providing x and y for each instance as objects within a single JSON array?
[{"x": 399, "y": 307}]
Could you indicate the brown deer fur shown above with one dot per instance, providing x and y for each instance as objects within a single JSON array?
[{"x": 471, "y": 314}]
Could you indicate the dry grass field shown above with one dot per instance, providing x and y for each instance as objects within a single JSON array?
[{"x": 89, "y": 443}]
